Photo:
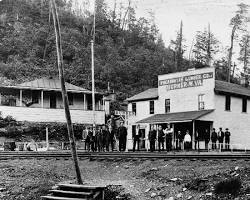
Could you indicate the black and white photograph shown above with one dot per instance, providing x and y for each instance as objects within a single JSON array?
[{"x": 124, "y": 100}]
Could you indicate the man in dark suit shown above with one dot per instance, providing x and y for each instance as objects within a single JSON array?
[
  {"x": 136, "y": 138},
  {"x": 220, "y": 138},
  {"x": 227, "y": 139},
  {"x": 207, "y": 138},
  {"x": 122, "y": 134},
  {"x": 152, "y": 138},
  {"x": 160, "y": 139},
  {"x": 214, "y": 138}
]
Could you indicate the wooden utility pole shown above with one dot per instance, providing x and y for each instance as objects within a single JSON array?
[
  {"x": 93, "y": 72},
  {"x": 64, "y": 93}
]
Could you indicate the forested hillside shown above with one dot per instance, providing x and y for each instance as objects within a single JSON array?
[{"x": 128, "y": 54}]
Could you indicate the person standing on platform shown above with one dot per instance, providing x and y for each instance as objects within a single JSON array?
[
  {"x": 179, "y": 140},
  {"x": 152, "y": 138},
  {"x": 221, "y": 138},
  {"x": 227, "y": 139},
  {"x": 214, "y": 138},
  {"x": 169, "y": 135},
  {"x": 84, "y": 137},
  {"x": 136, "y": 138},
  {"x": 207, "y": 138},
  {"x": 122, "y": 134},
  {"x": 106, "y": 137},
  {"x": 187, "y": 141},
  {"x": 112, "y": 138},
  {"x": 160, "y": 139},
  {"x": 196, "y": 140},
  {"x": 98, "y": 137}
]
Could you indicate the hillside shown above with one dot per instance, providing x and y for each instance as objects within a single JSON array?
[{"x": 128, "y": 54}]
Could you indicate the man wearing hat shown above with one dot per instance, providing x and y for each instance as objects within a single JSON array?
[
  {"x": 220, "y": 138},
  {"x": 227, "y": 139}
]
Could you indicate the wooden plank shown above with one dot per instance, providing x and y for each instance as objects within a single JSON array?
[{"x": 62, "y": 198}]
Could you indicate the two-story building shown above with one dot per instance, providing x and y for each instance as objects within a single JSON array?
[
  {"x": 193, "y": 100},
  {"x": 41, "y": 101}
]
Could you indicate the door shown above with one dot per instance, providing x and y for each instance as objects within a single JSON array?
[{"x": 52, "y": 99}]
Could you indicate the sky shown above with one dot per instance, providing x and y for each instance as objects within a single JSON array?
[{"x": 195, "y": 14}]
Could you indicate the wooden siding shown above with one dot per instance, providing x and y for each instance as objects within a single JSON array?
[{"x": 51, "y": 115}]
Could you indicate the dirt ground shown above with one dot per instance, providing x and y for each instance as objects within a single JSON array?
[{"x": 142, "y": 180}]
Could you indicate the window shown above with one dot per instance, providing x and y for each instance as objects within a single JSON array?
[
  {"x": 151, "y": 107},
  {"x": 134, "y": 108},
  {"x": 228, "y": 102},
  {"x": 167, "y": 105},
  {"x": 244, "y": 104},
  {"x": 201, "y": 103},
  {"x": 70, "y": 97}
]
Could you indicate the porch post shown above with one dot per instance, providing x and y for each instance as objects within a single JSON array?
[
  {"x": 173, "y": 138},
  {"x": 47, "y": 138},
  {"x": 84, "y": 102},
  {"x": 21, "y": 98},
  {"x": 193, "y": 135},
  {"x": 0, "y": 99},
  {"x": 99, "y": 105},
  {"x": 41, "y": 98}
]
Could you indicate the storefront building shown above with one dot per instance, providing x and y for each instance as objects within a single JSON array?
[{"x": 193, "y": 100}]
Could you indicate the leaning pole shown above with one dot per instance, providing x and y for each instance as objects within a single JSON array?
[{"x": 64, "y": 93}]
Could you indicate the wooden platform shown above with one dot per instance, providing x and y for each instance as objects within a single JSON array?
[{"x": 76, "y": 192}]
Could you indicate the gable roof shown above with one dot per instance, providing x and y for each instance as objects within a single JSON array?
[
  {"x": 49, "y": 84},
  {"x": 231, "y": 88},
  {"x": 175, "y": 117},
  {"x": 151, "y": 93}
]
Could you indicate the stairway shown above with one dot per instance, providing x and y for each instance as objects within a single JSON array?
[{"x": 76, "y": 192}]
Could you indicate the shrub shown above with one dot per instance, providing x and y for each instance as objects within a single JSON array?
[
  {"x": 229, "y": 186},
  {"x": 24, "y": 131}
]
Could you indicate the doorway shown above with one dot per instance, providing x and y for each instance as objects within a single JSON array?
[{"x": 52, "y": 99}]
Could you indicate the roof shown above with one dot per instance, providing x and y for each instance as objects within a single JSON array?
[
  {"x": 175, "y": 117},
  {"x": 151, "y": 93},
  {"x": 235, "y": 89},
  {"x": 49, "y": 84}
]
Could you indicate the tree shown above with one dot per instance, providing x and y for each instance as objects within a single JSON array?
[
  {"x": 245, "y": 55},
  {"x": 205, "y": 47},
  {"x": 237, "y": 23},
  {"x": 178, "y": 49}
]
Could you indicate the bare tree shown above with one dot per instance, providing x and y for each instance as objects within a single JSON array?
[
  {"x": 64, "y": 92},
  {"x": 237, "y": 23}
]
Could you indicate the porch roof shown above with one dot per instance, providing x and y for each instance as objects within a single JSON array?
[
  {"x": 49, "y": 84},
  {"x": 175, "y": 117}
]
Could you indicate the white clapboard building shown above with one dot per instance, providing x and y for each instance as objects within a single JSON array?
[
  {"x": 193, "y": 100},
  {"x": 41, "y": 101}
]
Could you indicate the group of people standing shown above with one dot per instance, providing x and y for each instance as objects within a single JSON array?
[
  {"x": 104, "y": 138},
  {"x": 221, "y": 137},
  {"x": 164, "y": 138}
]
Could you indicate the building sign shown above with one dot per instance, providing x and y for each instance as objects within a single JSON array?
[
  {"x": 129, "y": 113},
  {"x": 185, "y": 81}
]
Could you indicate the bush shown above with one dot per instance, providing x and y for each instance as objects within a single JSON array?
[
  {"x": 25, "y": 131},
  {"x": 229, "y": 186}
]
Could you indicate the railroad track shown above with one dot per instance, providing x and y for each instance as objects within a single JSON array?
[{"x": 5, "y": 155}]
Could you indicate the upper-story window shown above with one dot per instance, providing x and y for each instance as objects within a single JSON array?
[
  {"x": 228, "y": 103},
  {"x": 151, "y": 107},
  {"x": 134, "y": 108},
  {"x": 244, "y": 104},
  {"x": 201, "y": 103},
  {"x": 167, "y": 105},
  {"x": 70, "y": 97}
]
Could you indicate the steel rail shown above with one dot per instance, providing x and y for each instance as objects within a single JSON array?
[{"x": 122, "y": 155}]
